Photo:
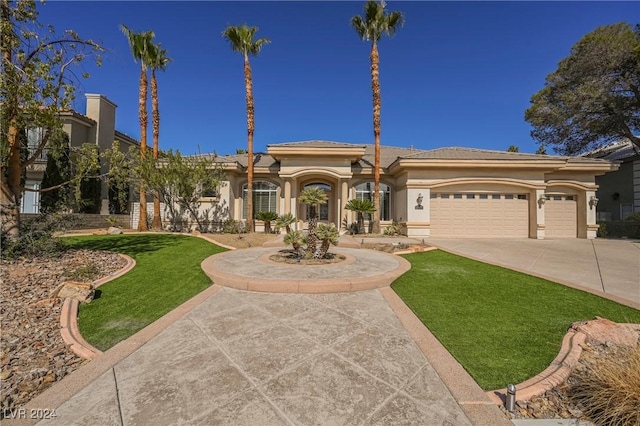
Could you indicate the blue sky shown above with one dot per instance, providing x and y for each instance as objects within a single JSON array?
[{"x": 457, "y": 73}]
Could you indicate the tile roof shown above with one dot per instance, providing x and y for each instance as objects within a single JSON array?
[
  {"x": 615, "y": 151},
  {"x": 318, "y": 144}
]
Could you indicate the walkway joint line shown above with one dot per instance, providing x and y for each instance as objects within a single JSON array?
[
  {"x": 115, "y": 382},
  {"x": 595, "y": 254}
]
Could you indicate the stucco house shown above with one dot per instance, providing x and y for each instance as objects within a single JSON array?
[
  {"x": 96, "y": 126},
  {"x": 619, "y": 190},
  {"x": 444, "y": 192}
]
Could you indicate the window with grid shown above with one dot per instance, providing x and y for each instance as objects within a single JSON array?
[
  {"x": 264, "y": 198},
  {"x": 364, "y": 191}
]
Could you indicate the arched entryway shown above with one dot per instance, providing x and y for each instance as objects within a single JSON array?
[{"x": 325, "y": 211}]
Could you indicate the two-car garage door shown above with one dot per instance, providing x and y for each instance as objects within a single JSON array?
[
  {"x": 479, "y": 215},
  {"x": 460, "y": 215}
]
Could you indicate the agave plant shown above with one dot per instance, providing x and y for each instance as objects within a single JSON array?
[
  {"x": 285, "y": 221},
  {"x": 267, "y": 217},
  {"x": 296, "y": 239},
  {"x": 328, "y": 234}
]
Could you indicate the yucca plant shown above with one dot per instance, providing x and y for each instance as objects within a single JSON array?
[
  {"x": 285, "y": 221},
  {"x": 328, "y": 234},
  {"x": 360, "y": 207},
  {"x": 267, "y": 217}
]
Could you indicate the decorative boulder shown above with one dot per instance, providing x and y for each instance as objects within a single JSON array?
[
  {"x": 82, "y": 292},
  {"x": 114, "y": 231}
]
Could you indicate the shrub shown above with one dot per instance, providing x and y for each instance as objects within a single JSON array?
[
  {"x": 232, "y": 226},
  {"x": 609, "y": 393},
  {"x": 394, "y": 229},
  {"x": 36, "y": 237}
]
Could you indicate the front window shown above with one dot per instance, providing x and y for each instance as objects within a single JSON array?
[
  {"x": 264, "y": 198},
  {"x": 364, "y": 191}
]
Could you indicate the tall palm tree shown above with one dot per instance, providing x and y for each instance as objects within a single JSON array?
[
  {"x": 140, "y": 44},
  {"x": 158, "y": 60},
  {"x": 376, "y": 22},
  {"x": 241, "y": 39}
]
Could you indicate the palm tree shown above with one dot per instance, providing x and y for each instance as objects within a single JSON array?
[
  {"x": 361, "y": 207},
  {"x": 296, "y": 239},
  {"x": 241, "y": 39},
  {"x": 285, "y": 221},
  {"x": 313, "y": 197},
  {"x": 267, "y": 217},
  {"x": 140, "y": 44},
  {"x": 158, "y": 60},
  {"x": 328, "y": 234},
  {"x": 376, "y": 22}
]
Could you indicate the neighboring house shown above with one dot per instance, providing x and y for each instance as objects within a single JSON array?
[
  {"x": 445, "y": 192},
  {"x": 618, "y": 191},
  {"x": 97, "y": 127}
]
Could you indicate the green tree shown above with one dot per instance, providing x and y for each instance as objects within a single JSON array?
[
  {"x": 542, "y": 150},
  {"x": 312, "y": 197},
  {"x": 36, "y": 84},
  {"x": 360, "y": 207},
  {"x": 513, "y": 148},
  {"x": 89, "y": 191},
  {"x": 328, "y": 234},
  {"x": 120, "y": 178},
  {"x": 241, "y": 39},
  {"x": 593, "y": 97},
  {"x": 376, "y": 22},
  {"x": 140, "y": 44},
  {"x": 267, "y": 217},
  {"x": 158, "y": 60},
  {"x": 55, "y": 194},
  {"x": 180, "y": 181}
]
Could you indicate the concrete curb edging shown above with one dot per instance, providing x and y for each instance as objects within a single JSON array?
[
  {"x": 556, "y": 373},
  {"x": 69, "y": 316},
  {"x": 475, "y": 403}
]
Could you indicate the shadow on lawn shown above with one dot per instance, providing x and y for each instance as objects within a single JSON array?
[{"x": 130, "y": 245}]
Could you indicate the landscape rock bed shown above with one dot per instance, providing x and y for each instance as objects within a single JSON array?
[
  {"x": 290, "y": 257},
  {"x": 33, "y": 355}
]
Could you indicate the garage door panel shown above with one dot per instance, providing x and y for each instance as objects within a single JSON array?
[
  {"x": 561, "y": 212},
  {"x": 480, "y": 216}
]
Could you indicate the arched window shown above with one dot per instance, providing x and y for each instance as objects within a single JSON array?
[
  {"x": 264, "y": 198},
  {"x": 364, "y": 191}
]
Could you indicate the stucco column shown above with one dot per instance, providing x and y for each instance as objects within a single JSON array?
[
  {"x": 287, "y": 195},
  {"x": 591, "y": 227},
  {"x": 418, "y": 212},
  {"x": 539, "y": 219},
  {"x": 344, "y": 198}
]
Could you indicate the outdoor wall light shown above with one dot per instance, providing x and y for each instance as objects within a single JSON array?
[
  {"x": 419, "y": 199},
  {"x": 541, "y": 201},
  {"x": 593, "y": 201}
]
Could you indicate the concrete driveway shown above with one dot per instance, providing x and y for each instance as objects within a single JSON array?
[{"x": 606, "y": 267}]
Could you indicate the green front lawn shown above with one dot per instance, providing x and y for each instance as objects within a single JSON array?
[
  {"x": 502, "y": 326},
  {"x": 167, "y": 274}
]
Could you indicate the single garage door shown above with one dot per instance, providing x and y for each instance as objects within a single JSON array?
[
  {"x": 560, "y": 216},
  {"x": 479, "y": 215}
]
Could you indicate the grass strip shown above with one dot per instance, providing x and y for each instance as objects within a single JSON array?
[
  {"x": 503, "y": 326},
  {"x": 167, "y": 274}
]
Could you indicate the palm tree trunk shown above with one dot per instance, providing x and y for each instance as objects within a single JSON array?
[
  {"x": 375, "y": 88},
  {"x": 155, "y": 120},
  {"x": 250, "y": 130},
  {"x": 142, "y": 111},
  {"x": 313, "y": 224}
]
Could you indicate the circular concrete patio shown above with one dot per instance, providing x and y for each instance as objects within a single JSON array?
[{"x": 250, "y": 269}]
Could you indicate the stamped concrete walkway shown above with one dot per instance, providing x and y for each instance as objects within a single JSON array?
[
  {"x": 237, "y": 357},
  {"x": 247, "y": 358}
]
